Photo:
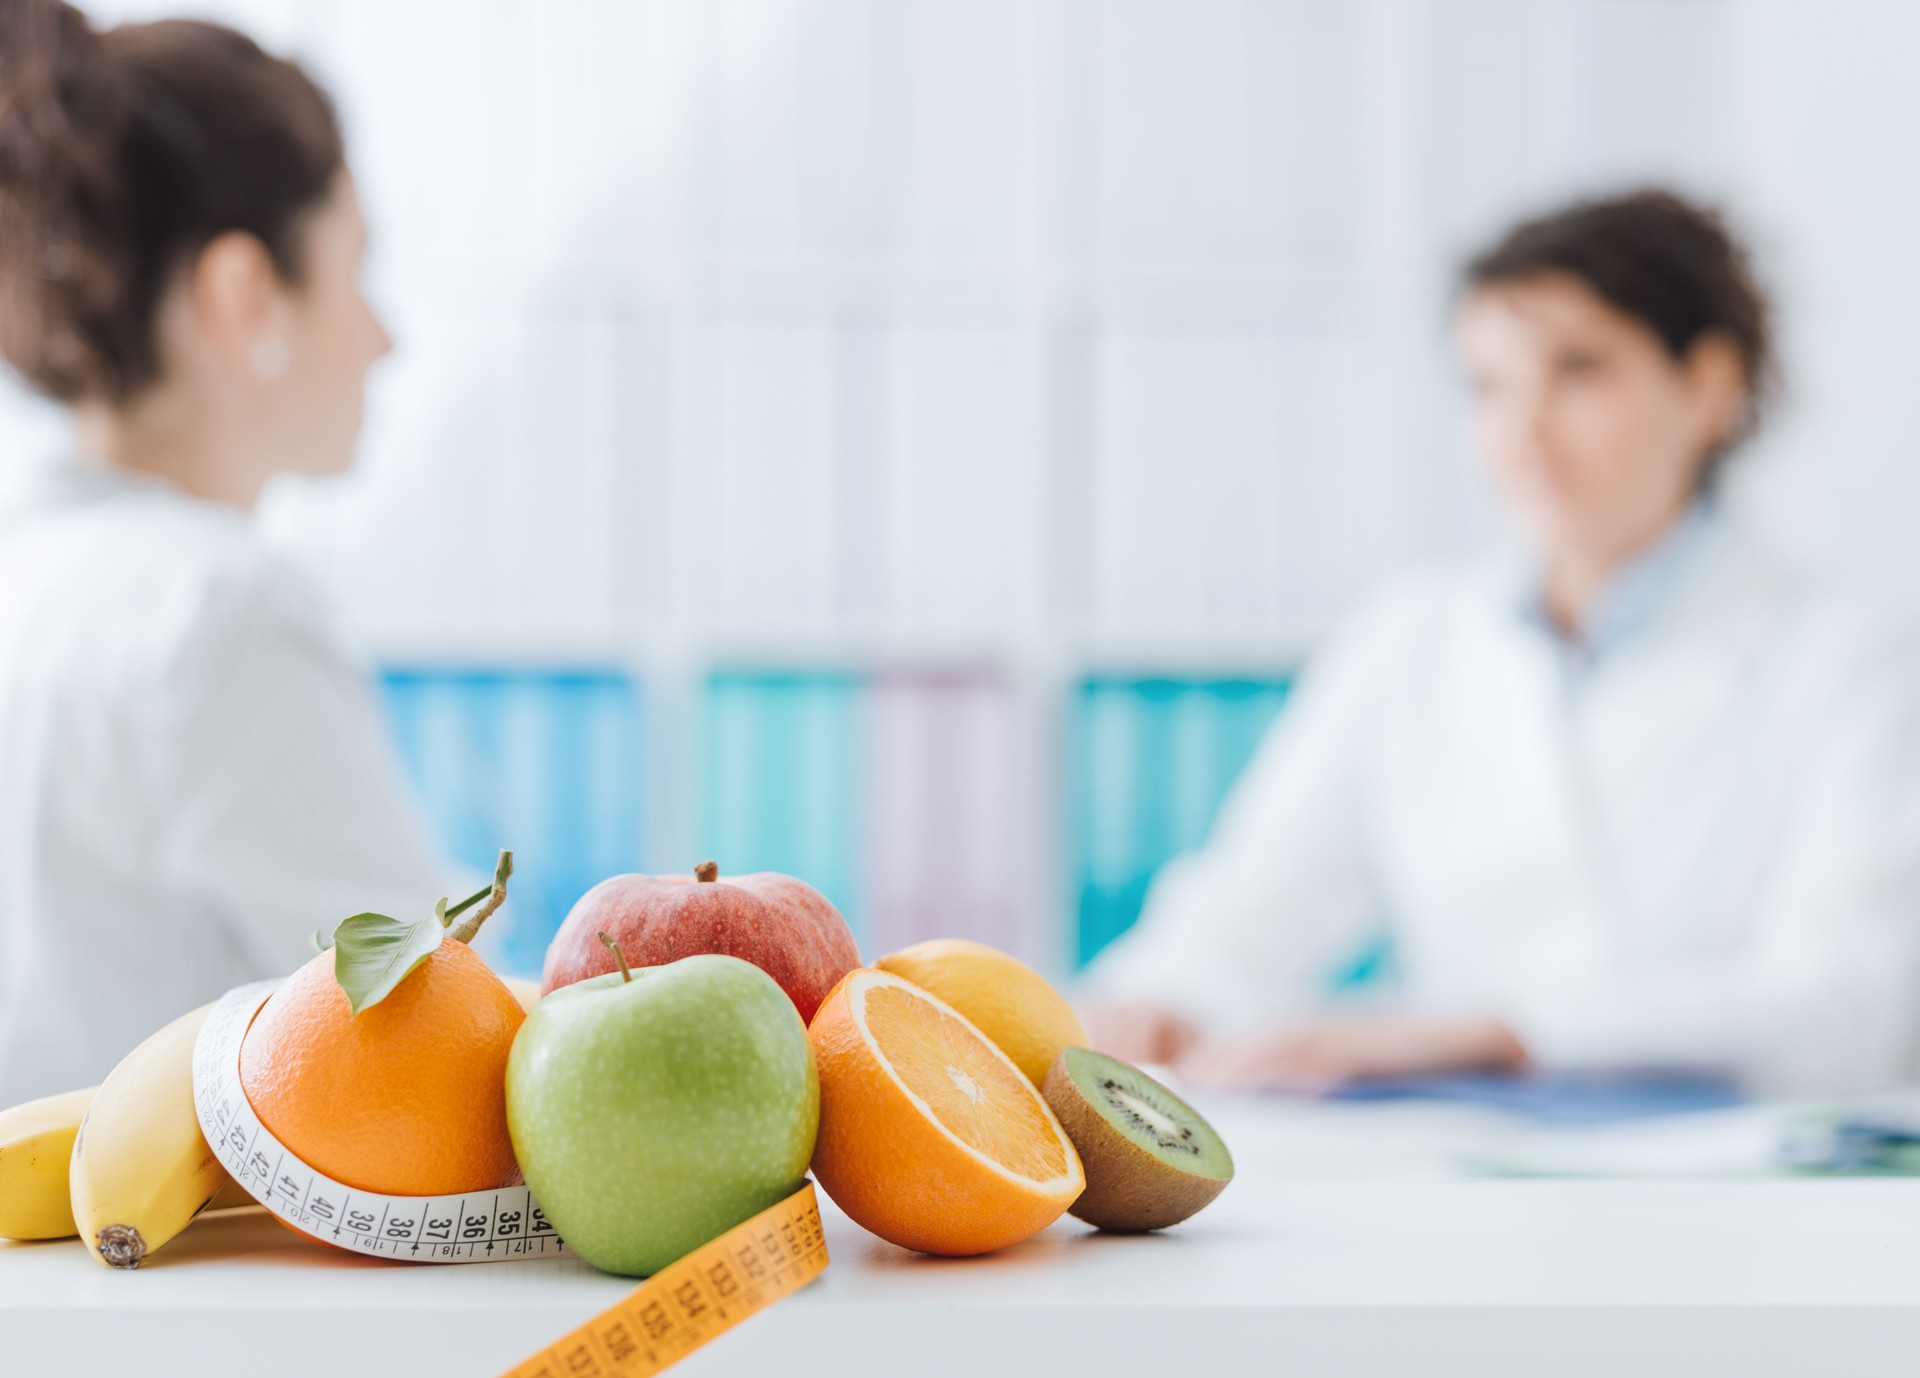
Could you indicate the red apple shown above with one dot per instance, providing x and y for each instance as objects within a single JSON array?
[{"x": 783, "y": 926}]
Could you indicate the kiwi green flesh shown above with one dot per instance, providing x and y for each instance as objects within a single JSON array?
[{"x": 1150, "y": 1159}]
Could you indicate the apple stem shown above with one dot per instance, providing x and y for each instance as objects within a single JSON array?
[
  {"x": 707, "y": 872},
  {"x": 495, "y": 895},
  {"x": 626, "y": 973}
]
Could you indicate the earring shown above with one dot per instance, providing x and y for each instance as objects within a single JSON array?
[{"x": 269, "y": 358}]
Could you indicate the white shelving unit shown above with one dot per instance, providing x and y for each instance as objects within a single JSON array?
[
  {"x": 1023, "y": 337},
  {"x": 1078, "y": 331}
]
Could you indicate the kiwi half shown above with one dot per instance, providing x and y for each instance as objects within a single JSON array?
[{"x": 1151, "y": 1161}]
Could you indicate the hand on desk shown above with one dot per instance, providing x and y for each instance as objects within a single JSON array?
[
  {"x": 1318, "y": 1054},
  {"x": 1327, "y": 1052},
  {"x": 1139, "y": 1032}
]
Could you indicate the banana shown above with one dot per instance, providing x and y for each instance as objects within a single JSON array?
[
  {"x": 36, "y": 1155},
  {"x": 141, "y": 1168},
  {"x": 36, "y": 1140}
]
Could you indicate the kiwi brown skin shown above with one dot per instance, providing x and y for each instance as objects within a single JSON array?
[{"x": 1129, "y": 1191}]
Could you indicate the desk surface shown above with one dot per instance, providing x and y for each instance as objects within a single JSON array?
[{"x": 1347, "y": 1245}]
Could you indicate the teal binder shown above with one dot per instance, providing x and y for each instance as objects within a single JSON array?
[
  {"x": 781, "y": 781},
  {"x": 1149, "y": 763}
]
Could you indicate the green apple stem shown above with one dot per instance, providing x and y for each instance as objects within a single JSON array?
[
  {"x": 495, "y": 895},
  {"x": 707, "y": 872},
  {"x": 626, "y": 972}
]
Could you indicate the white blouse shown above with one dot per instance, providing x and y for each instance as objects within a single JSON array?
[
  {"x": 193, "y": 774},
  {"x": 1699, "y": 850}
]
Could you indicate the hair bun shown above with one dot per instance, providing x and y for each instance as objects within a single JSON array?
[{"x": 61, "y": 260}]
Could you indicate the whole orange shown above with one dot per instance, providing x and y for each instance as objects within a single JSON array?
[
  {"x": 1004, "y": 998},
  {"x": 406, "y": 1098}
]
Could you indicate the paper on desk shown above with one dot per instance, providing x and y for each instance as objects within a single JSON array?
[
  {"x": 1763, "y": 1140},
  {"x": 1716, "y": 1143}
]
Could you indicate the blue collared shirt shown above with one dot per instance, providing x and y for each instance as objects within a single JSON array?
[{"x": 1631, "y": 598}]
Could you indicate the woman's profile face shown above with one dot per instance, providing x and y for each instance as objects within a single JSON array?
[
  {"x": 1592, "y": 433},
  {"x": 333, "y": 338}
]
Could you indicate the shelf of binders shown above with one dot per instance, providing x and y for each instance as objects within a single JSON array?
[{"x": 923, "y": 803}]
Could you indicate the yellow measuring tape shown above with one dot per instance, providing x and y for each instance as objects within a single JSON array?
[{"x": 695, "y": 1298}]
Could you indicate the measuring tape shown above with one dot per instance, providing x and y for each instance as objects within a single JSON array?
[
  {"x": 476, "y": 1227},
  {"x": 665, "y": 1318},
  {"x": 694, "y": 1298}
]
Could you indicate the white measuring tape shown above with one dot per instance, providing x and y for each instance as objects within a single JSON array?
[{"x": 477, "y": 1227}]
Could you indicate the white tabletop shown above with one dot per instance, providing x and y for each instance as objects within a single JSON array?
[{"x": 1347, "y": 1245}]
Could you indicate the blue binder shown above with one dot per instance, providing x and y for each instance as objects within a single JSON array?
[{"x": 548, "y": 763}]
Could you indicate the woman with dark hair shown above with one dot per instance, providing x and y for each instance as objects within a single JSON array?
[
  {"x": 193, "y": 776},
  {"x": 1649, "y": 800}
]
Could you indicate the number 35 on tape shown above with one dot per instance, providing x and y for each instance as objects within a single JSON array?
[{"x": 665, "y": 1318}]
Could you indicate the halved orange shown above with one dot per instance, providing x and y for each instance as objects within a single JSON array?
[{"x": 930, "y": 1136}]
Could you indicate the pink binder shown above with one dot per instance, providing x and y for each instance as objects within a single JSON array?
[{"x": 951, "y": 804}]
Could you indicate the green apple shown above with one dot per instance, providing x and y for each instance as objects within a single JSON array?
[{"x": 654, "y": 1110}]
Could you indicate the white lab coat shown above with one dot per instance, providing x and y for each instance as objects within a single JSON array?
[
  {"x": 193, "y": 775},
  {"x": 1703, "y": 855}
]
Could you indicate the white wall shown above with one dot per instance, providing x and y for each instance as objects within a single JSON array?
[
  {"x": 1032, "y": 333},
  {"x": 1827, "y": 106}
]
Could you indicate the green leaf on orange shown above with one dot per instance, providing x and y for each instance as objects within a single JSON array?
[{"x": 372, "y": 954}]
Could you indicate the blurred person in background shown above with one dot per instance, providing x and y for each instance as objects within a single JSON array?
[
  {"x": 193, "y": 775},
  {"x": 1648, "y": 801}
]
